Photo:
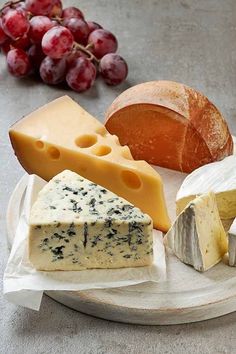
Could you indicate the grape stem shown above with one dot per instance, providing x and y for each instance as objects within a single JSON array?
[
  {"x": 10, "y": 4},
  {"x": 86, "y": 51}
]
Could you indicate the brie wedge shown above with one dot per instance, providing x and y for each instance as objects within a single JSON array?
[{"x": 197, "y": 236}]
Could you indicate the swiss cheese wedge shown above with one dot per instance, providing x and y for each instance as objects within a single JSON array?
[
  {"x": 170, "y": 125},
  {"x": 61, "y": 135}
]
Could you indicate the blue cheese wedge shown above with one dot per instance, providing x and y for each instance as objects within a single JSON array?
[
  {"x": 76, "y": 224},
  {"x": 218, "y": 177},
  {"x": 232, "y": 244},
  {"x": 197, "y": 236}
]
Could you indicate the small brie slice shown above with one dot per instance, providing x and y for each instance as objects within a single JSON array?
[{"x": 197, "y": 236}]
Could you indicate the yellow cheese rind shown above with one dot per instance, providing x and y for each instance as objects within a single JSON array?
[{"x": 62, "y": 135}]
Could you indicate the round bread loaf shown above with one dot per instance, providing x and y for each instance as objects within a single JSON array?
[{"x": 170, "y": 125}]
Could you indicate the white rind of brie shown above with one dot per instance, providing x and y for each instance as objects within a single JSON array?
[
  {"x": 197, "y": 236},
  {"x": 232, "y": 244},
  {"x": 218, "y": 177}
]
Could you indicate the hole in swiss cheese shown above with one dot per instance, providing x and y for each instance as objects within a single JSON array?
[
  {"x": 131, "y": 179},
  {"x": 85, "y": 141},
  {"x": 39, "y": 144},
  {"x": 101, "y": 150},
  {"x": 53, "y": 152}
]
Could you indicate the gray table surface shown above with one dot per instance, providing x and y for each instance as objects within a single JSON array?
[{"x": 184, "y": 40}]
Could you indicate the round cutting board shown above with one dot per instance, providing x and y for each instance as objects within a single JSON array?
[{"x": 186, "y": 295}]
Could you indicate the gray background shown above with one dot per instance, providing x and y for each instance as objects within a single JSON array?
[{"x": 184, "y": 40}]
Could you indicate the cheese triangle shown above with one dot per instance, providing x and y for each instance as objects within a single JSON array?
[
  {"x": 76, "y": 224},
  {"x": 197, "y": 236},
  {"x": 62, "y": 135}
]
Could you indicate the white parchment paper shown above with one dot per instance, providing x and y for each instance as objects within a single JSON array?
[{"x": 24, "y": 285}]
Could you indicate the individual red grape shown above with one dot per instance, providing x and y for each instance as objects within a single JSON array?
[
  {"x": 73, "y": 56},
  {"x": 36, "y": 55},
  {"x": 93, "y": 26},
  {"x": 56, "y": 9},
  {"x": 72, "y": 12},
  {"x": 103, "y": 42},
  {"x": 78, "y": 28},
  {"x": 39, "y": 25},
  {"x": 113, "y": 69},
  {"x": 57, "y": 42},
  {"x": 15, "y": 24},
  {"x": 82, "y": 75},
  {"x": 39, "y": 7},
  {"x": 18, "y": 62},
  {"x": 3, "y": 36},
  {"x": 53, "y": 71}
]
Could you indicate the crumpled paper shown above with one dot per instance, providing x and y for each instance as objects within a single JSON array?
[{"x": 23, "y": 285}]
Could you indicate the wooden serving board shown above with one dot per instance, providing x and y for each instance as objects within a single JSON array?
[{"x": 186, "y": 295}]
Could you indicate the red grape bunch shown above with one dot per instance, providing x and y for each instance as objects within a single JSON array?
[{"x": 39, "y": 36}]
